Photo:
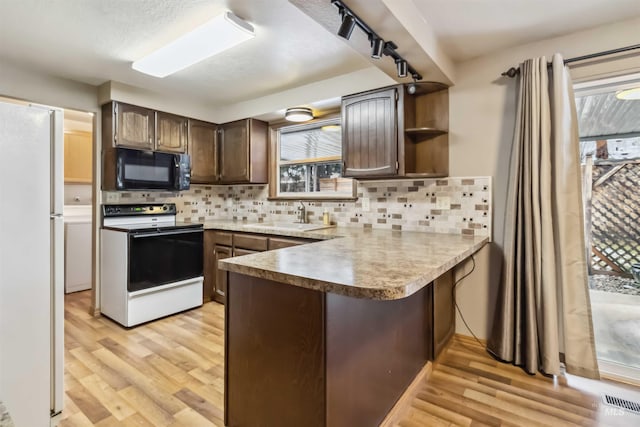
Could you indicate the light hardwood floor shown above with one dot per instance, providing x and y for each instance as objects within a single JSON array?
[
  {"x": 164, "y": 373},
  {"x": 170, "y": 373}
]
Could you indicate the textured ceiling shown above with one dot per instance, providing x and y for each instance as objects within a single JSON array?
[
  {"x": 472, "y": 28},
  {"x": 94, "y": 41}
]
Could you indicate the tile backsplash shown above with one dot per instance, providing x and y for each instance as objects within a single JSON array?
[{"x": 459, "y": 205}]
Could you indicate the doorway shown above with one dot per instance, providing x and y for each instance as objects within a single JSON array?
[
  {"x": 78, "y": 211},
  {"x": 610, "y": 155}
]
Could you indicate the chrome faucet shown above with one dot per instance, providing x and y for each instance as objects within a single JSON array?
[{"x": 302, "y": 214}]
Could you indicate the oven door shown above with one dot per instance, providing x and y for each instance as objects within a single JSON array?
[{"x": 161, "y": 257}]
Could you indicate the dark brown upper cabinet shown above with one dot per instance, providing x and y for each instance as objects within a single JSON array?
[
  {"x": 171, "y": 133},
  {"x": 369, "y": 133},
  {"x": 393, "y": 133},
  {"x": 242, "y": 152},
  {"x": 203, "y": 152},
  {"x": 134, "y": 127},
  {"x": 144, "y": 129}
]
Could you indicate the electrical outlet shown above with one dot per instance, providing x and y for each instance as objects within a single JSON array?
[
  {"x": 112, "y": 197},
  {"x": 366, "y": 206},
  {"x": 443, "y": 203}
]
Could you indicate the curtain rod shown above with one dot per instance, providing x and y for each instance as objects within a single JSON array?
[{"x": 512, "y": 72}]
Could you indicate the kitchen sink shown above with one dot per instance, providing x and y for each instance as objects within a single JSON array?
[{"x": 288, "y": 226}]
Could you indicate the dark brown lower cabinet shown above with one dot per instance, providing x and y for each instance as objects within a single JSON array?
[
  {"x": 221, "y": 276},
  {"x": 299, "y": 357},
  {"x": 444, "y": 315},
  {"x": 220, "y": 244}
]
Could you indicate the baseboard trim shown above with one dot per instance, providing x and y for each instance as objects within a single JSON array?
[{"x": 401, "y": 407}]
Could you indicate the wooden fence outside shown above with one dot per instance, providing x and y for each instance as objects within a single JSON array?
[{"x": 612, "y": 215}]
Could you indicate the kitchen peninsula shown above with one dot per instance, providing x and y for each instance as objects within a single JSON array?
[{"x": 332, "y": 333}]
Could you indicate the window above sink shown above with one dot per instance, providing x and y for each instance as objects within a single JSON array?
[{"x": 308, "y": 162}]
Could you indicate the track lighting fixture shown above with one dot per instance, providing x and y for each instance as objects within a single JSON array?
[
  {"x": 379, "y": 47},
  {"x": 298, "y": 114},
  {"x": 347, "y": 26},
  {"x": 412, "y": 88},
  {"x": 402, "y": 67}
]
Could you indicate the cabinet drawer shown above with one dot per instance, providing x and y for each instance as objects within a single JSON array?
[
  {"x": 250, "y": 241},
  {"x": 224, "y": 238},
  {"x": 240, "y": 252},
  {"x": 280, "y": 242}
]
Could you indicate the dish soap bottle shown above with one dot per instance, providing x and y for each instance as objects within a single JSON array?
[{"x": 325, "y": 217}]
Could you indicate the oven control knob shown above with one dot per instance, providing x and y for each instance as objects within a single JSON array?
[{"x": 164, "y": 208}]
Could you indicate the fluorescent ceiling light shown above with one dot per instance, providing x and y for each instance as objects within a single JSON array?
[
  {"x": 629, "y": 93},
  {"x": 219, "y": 34}
]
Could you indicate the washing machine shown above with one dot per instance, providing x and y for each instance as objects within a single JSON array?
[{"x": 77, "y": 248}]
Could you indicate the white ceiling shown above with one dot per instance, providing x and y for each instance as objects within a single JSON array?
[
  {"x": 472, "y": 28},
  {"x": 94, "y": 41}
]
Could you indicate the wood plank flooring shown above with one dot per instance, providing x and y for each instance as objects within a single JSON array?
[
  {"x": 467, "y": 387},
  {"x": 171, "y": 373},
  {"x": 165, "y": 373}
]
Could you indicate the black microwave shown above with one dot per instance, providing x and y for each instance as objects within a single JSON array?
[{"x": 152, "y": 170}]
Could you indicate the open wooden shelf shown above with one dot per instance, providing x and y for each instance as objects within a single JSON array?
[{"x": 424, "y": 131}]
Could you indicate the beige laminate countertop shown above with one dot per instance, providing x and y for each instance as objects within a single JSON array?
[{"x": 363, "y": 263}]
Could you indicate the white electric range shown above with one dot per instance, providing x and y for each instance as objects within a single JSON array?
[{"x": 151, "y": 266}]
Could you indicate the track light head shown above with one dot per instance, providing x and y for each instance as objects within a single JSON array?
[
  {"x": 347, "y": 26},
  {"x": 402, "y": 68},
  {"x": 377, "y": 48}
]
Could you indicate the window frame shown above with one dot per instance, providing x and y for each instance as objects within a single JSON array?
[{"x": 274, "y": 162}]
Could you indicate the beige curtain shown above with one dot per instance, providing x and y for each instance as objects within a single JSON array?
[{"x": 543, "y": 306}]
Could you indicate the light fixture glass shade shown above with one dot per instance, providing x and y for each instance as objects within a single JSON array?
[
  {"x": 629, "y": 93},
  {"x": 219, "y": 34},
  {"x": 298, "y": 114}
]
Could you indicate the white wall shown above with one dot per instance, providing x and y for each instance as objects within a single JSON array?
[
  {"x": 482, "y": 116},
  {"x": 28, "y": 85}
]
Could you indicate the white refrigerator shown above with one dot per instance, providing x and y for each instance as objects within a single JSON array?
[{"x": 31, "y": 263}]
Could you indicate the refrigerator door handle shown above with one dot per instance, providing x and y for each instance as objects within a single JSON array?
[{"x": 57, "y": 311}]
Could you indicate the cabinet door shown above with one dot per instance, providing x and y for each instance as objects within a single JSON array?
[
  {"x": 202, "y": 149},
  {"x": 171, "y": 132},
  {"x": 221, "y": 276},
  {"x": 209, "y": 265},
  {"x": 233, "y": 148},
  {"x": 78, "y": 159},
  {"x": 369, "y": 134},
  {"x": 135, "y": 126},
  {"x": 444, "y": 316}
]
